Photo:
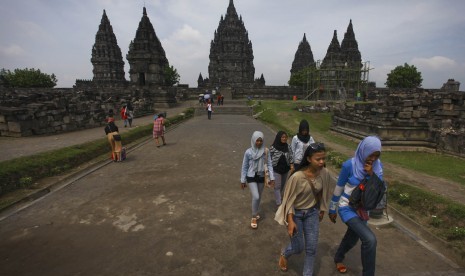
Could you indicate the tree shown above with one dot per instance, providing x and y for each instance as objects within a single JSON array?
[
  {"x": 171, "y": 75},
  {"x": 405, "y": 76},
  {"x": 28, "y": 78}
]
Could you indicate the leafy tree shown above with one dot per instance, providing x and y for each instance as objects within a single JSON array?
[
  {"x": 304, "y": 78},
  {"x": 405, "y": 76},
  {"x": 28, "y": 78},
  {"x": 171, "y": 76}
]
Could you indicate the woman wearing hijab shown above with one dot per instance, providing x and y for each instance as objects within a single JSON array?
[
  {"x": 253, "y": 173},
  {"x": 364, "y": 164},
  {"x": 305, "y": 200},
  {"x": 300, "y": 142},
  {"x": 283, "y": 162}
]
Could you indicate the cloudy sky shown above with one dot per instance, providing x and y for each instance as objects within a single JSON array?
[{"x": 56, "y": 36}]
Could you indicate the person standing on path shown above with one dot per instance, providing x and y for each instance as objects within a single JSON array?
[
  {"x": 253, "y": 173},
  {"x": 363, "y": 165},
  {"x": 124, "y": 115},
  {"x": 300, "y": 142},
  {"x": 209, "y": 109},
  {"x": 283, "y": 163},
  {"x": 113, "y": 136},
  {"x": 305, "y": 200},
  {"x": 130, "y": 113},
  {"x": 159, "y": 129}
]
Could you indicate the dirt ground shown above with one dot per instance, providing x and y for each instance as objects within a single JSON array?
[{"x": 179, "y": 210}]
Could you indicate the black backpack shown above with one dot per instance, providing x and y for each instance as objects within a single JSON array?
[{"x": 368, "y": 194}]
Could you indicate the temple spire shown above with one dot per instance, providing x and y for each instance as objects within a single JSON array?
[{"x": 303, "y": 57}]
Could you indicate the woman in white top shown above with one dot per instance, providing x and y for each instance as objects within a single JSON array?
[{"x": 300, "y": 143}]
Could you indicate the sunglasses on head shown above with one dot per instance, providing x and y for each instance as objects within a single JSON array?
[{"x": 317, "y": 146}]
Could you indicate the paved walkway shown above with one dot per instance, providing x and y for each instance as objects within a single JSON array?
[
  {"x": 17, "y": 147},
  {"x": 179, "y": 210}
]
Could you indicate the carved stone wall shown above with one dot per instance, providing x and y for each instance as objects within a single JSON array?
[
  {"x": 432, "y": 119},
  {"x": 26, "y": 112}
]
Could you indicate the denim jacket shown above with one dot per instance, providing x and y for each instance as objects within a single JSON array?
[{"x": 248, "y": 166}]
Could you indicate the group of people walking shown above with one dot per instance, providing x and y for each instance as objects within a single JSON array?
[
  {"x": 305, "y": 190},
  {"x": 118, "y": 152}
]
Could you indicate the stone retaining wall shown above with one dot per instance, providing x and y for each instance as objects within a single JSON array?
[
  {"x": 410, "y": 118},
  {"x": 26, "y": 112}
]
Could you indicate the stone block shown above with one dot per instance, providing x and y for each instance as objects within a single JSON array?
[
  {"x": 404, "y": 115},
  {"x": 2, "y": 118},
  {"x": 3, "y": 126},
  {"x": 14, "y": 127}
]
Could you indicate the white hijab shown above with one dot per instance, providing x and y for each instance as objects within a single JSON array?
[{"x": 257, "y": 153}]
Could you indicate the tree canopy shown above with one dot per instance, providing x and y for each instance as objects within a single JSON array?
[
  {"x": 171, "y": 76},
  {"x": 28, "y": 78},
  {"x": 405, "y": 76}
]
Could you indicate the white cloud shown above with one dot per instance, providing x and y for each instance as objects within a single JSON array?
[
  {"x": 436, "y": 63},
  {"x": 12, "y": 50}
]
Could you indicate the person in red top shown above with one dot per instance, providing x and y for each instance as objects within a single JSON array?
[
  {"x": 124, "y": 115},
  {"x": 159, "y": 130}
]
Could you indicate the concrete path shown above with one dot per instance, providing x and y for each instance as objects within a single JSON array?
[{"x": 179, "y": 210}]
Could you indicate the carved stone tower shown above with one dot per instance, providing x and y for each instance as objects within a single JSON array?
[
  {"x": 331, "y": 69},
  {"x": 349, "y": 48},
  {"x": 146, "y": 56},
  {"x": 303, "y": 57},
  {"x": 106, "y": 55},
  {"x": 231, "y": 53}
]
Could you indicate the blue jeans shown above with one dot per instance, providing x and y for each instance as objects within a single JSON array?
[
  {"x": 308, "y": 228},
  {"x": 256, "y": 190},
  {"x": 279, "y": 183},
  {"x": 358, "y": 229}
]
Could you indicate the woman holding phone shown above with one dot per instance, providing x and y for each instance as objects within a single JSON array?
[
  {"x": 364, "y": 164},
  {"x": 306, "y": 198}
]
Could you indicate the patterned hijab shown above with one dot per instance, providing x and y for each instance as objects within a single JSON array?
[
  {"x": 257, "y": 153},
  {"x": 366, "y": 147}
]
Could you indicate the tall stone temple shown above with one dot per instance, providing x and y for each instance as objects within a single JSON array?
[
  {"x": 146, "y": 56},
  {"x": 106, "y": 55},
  {"x": 340, "y": 70},
  {"x": 303, "y": 57},
  {"x": 231, "y": 53}
]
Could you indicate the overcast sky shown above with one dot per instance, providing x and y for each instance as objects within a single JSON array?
[{"x": 56, "y": 36}]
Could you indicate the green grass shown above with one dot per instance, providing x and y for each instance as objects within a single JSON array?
[{"x": 439, "y": 165}]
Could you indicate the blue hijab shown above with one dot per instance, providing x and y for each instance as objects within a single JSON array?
[{"x": 366, "y": 147}]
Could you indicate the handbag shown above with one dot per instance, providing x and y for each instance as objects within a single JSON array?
[{"x": 267, "y": 180}]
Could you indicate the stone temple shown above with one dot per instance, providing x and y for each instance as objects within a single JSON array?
[{"x": 231, "y": 53}]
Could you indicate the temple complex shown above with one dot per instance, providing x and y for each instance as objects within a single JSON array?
[
  {"x": 231, "y": 53},
  {"x": 146, "y": 56},
  {"x": 106, "y": 55},
  {"x": 341, "y": 73}
]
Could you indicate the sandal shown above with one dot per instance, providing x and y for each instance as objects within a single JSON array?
[
  {"x": 341, "y": 268},
  {"x": 257, "y": 217},
  {"x": 253, "y": 223},
  {"x": 282, "y": 263}
]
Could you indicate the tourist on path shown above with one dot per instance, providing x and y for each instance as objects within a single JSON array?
[
  {"x": 283, "y": 163},
  {"x": 124, "y": 115},
  {"x": 209, "y": 109},
  {"x": 130, "y": 113},
  {"x": 253, "y": 173},
  {"x": 300, "y": 142},
  {"x": 364, "y": 164},
  {"x": 114, "y": 139},
  {"x": 159, "y": 129},
  {"x": 305, "y": 200}
]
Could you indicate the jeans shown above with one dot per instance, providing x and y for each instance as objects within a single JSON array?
[
  {"x": 358, "y": 229},
  {"x": 209, "y": 115},
  {"x": 308, "y": 228},
  {"x": 256, "y": 190},
  {"x": 279, "y": 183}
]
